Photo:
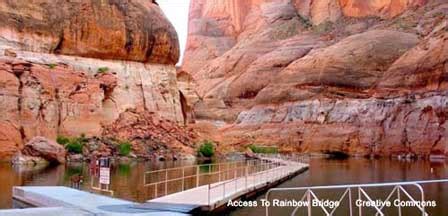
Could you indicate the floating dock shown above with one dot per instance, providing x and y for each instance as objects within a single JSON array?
[
  {"x": 208, "y": 198},
  {"x": 212, "y": 197},
  {"x": 68, "y": 201}
]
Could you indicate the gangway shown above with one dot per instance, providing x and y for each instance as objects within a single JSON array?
[{"x": 225, "y": 181}]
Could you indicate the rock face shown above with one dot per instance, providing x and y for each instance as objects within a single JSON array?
[
  {"x": 10, "y": 139},
  {"x": 150, "y": 134},
  {"x": 323, "y": 75},
  {"x": 356, "y": 62},
  {"x": 383, "y": 8},
  {"x": 123, "y": 30},
  {"x": 44, "y": 148},
  {"x": 72, "y": 69}
]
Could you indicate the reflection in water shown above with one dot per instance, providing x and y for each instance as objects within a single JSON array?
[
  {"x": 127, "y": 180},
  {"x": 355, "y": 171}
]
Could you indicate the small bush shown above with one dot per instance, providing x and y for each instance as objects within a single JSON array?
[
  {"x": 62, "y": 140},
  {"x": 263, "y": 149},
  {"x": 103, "y": 70},
  {"x": 207, "y": 149},
  {"x": 52, "y": 66},
  {"x": 73, "y": 144},
  {"x": 124, "y": 148},
  {"x": 74, "y": 147}
]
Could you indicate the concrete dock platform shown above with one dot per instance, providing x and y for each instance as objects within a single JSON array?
[
  {"x": 49, "y": 211},
  {"x": 75, "y": 202}
]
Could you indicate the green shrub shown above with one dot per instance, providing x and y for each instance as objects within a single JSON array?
[
  {"x": 52, "y": 66},
  {"x": 74, "y": 147},
  {"x": 103, "y": 69},
  {"x": 73, "y": 144},
  {"x": 124, "y": 148},
  {"x": 207, "y": 149},
  {"x": 263, "y": 149},
  {"x": 62, "y": 140}
]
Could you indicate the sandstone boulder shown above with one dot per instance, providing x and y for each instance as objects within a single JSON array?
[
  {"x": 25, "y": 160},
  {"x": 45, "y": 148}
]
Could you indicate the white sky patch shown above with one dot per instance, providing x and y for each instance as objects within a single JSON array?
[{"x": 177, "y": 13}]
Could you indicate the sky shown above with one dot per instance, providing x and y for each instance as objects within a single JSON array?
[{"x": 177, "y": 13}]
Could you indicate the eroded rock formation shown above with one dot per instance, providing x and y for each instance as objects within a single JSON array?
[
  {"x": 112, "y": 29},
  {"x": 71, "y": 67},
  {"x": 151, "y": 134},
  {"x": 44, "y": 148},
  {"x": 359, "y": 77}
]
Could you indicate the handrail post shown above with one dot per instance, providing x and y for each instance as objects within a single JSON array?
[
  {"x": 236, "y": 181},
  {"x": 209, "y": 194},
  {"x": 245, "y": 177},
  {"x": 224, "y": 190},
  {"x": 399, "y": 199},
  {"x": 359, "y": 198},
  {"x": 219, "y": 172},
  {"x": 183, "y": 178},
  {"x": 197, "y": 176},
  {"x": 350, "y": 201},
  {"x": 234, "y": 173},
  {"x": 308, "y": 198},
  {"x": 166, "y": 182}
]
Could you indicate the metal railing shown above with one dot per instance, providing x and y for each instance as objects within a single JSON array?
[
  {"x": 272, "y": 167},
  {"x": 397, "y": 188},
  {"x": 266, "y": 170},
  {"x": 224, "y": 179},
  {"x": 301, "y": 158},
  {"x": 223, "y": 171},
  {"x": 99, "y": 187}
]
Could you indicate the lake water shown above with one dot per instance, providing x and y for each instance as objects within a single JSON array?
[
  {"x": 355, "y": 171},
  {"x": 127, "y": 180}
]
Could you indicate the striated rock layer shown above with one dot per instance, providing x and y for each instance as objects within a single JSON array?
[
  {"x": 112, "y": 29},
  {"x": 73, "y": 100},
  {"x": 358, "y": 77},
  {"x": 71, "y": 69}
]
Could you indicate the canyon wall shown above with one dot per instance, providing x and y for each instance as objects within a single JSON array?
[
  {"x": 358, "y": 77},
  {"x": 71, "y": 67}
]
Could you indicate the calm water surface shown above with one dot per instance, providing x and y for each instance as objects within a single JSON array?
[
  {"x": 127, "y": 180},
  {"x": 355, "y": 171}
]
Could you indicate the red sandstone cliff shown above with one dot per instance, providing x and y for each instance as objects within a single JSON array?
[
  {"x": 354, "y": 76},
  {"x": 124, "y": 30},
  {"x": 72, "y": 67}
]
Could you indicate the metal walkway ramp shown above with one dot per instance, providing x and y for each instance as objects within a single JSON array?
[{"x": 252, "y": 177}]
